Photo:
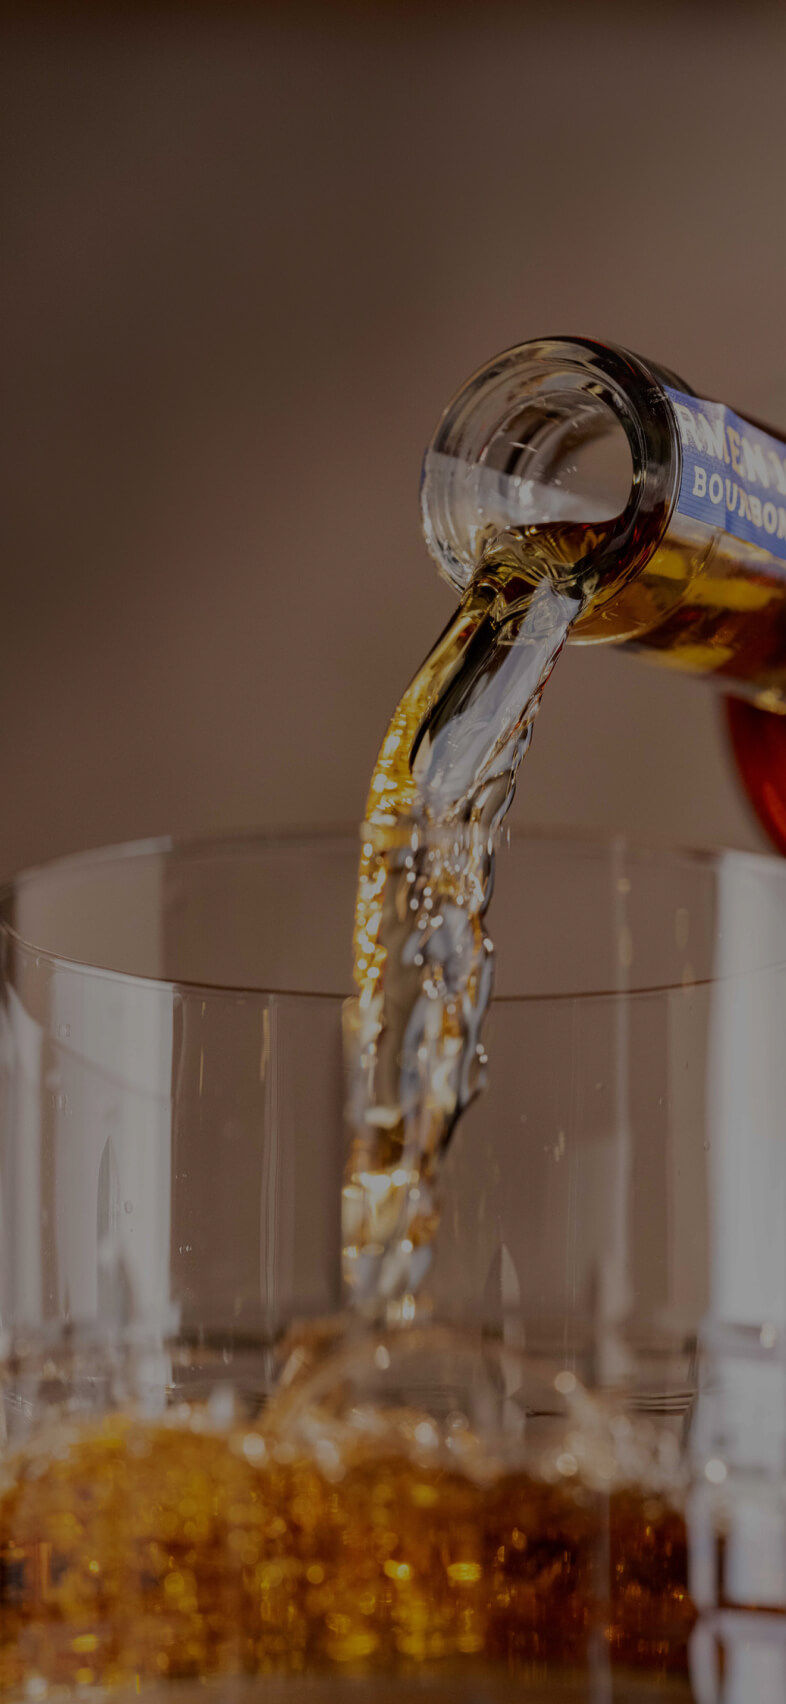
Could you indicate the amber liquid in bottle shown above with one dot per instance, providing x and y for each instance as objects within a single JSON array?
[{"x": 725, "y": 619}]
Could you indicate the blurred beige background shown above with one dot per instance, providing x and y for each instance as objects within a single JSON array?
[{"x": 247, "y": 256}]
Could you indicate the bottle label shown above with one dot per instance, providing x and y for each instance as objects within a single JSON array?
[{"x": 733, "y": 473}]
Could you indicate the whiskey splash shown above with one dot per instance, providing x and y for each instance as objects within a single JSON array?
[{"x": 134, "y": 1551}]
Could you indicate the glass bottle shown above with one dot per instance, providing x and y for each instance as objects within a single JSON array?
[{"x": 674, "y": 508}]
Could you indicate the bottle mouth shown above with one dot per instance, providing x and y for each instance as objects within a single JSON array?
[{"x": 553, "y": 432}]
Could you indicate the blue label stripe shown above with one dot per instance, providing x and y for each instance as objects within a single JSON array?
[{"x": 733, "y": 474}]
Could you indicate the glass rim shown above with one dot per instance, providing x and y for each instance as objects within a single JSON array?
[{"x": 341, "y": 837}]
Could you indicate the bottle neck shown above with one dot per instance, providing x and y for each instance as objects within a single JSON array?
[
  {"x": 549, "y": 439},
  {"x": 585, "y": 457}
]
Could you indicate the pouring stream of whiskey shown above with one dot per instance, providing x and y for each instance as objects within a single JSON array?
[{"x": 442, "y": 785}]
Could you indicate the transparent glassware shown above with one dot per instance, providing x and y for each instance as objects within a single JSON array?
[
  {"x": 609, "y": 1287},
  {"x": 168, "y": 1165}
]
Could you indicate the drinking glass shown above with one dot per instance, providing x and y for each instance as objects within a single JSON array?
[{"x": 601, "y": 1329}]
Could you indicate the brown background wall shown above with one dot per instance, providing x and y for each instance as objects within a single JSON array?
[{"x": 247, "y": 256}]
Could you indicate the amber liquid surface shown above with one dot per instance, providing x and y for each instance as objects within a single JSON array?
[{"x": 133, "y": 1550}]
